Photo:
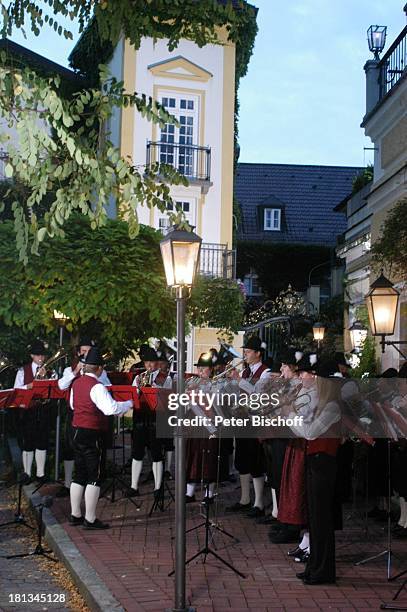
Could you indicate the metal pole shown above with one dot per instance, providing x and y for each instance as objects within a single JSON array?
[
  {"x": 180, "y": 476},
  {"x": 58, "y": 420}
]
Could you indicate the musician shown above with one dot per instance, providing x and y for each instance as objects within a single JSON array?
[
  {"x": 69, "y": 375},
  {"x": 321, "y": 432},
  {"x": 34, "y": 421},
  {"x": 91, "y": 404},
  {"x": 205, "y": 461},
  {"x": 249, "y": 458},
  {"x": 165, "y": 379},
  {"x": 144, "y": 429}
]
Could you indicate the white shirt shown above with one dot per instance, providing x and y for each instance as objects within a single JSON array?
[
  {"x": 68, "y": 376},
  {"x": 249, "y": 387},
  {"x": 19, "y": 381},
  {"x": 311, "y": 431},
  {"x": 104, "y": 401}
]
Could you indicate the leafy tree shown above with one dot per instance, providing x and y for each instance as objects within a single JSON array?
[
  {"x": 75, "y": 162},
  {"x": 391, "y": 247},
  {"x": 106, "y": 283}
]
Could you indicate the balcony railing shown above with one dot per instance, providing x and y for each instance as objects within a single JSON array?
[
  {"x": 190, "y": 160},
  {"x": 393, "y": 64},
  {"x": 217, "y": 261}
]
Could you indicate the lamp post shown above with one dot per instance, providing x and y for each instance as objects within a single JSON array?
[
  {"x": 318, "y": 330},
  {"x": 180, "y": 250},
  {"x": 376, "y": 38},
  {"x": 358, "y": 333},
  {"x": 61, "y": 319},
  {"x": 382, "y": 303}
]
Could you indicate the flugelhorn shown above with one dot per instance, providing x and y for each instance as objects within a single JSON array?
[
  {"x": 60, "y": 354},
  {"x": 5, "y": 363}
]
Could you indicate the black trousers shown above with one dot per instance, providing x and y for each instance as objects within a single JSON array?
[
  {"x": 88, "y": 456},
  {"x": 144, "y": 436},
  {"x": 68, "y": 446},
  {"x": 34, "y": 427},
  {"x": 249, "y": 457},
  {"x": 321, "y": 476}
]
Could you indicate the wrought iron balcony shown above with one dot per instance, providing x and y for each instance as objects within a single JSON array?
[
  {"x": 393, "y": 65},
  {"x": 190, "y": 160},
  {"x": 217, "y": 261}
]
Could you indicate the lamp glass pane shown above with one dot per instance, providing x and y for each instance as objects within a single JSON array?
[
  {"x": 319, "y": 333},
  {"x": 357, "y": 337},
  {"x": 185, "y": 260},
  {"x": 166, "y": 253},
  {"x": 382, "y": 309}
]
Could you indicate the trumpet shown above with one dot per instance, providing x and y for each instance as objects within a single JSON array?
[
  {"x": 228, "y": 370},
  {"x": 50, "y": 374},
  {"x": 145, "y": 379}
]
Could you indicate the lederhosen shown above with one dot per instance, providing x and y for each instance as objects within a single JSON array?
[
  {"x": 34, "y": 422},
  {"x": 249, "y": 456},
  {"x": 89, "y": 425},
  {"x": 144, "y": 430}
]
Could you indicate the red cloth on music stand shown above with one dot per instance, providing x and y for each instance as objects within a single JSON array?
[
  {"x": 155, "y": 397},
  {"x": 123, "y": 393},
  {"x": 121, "y": 378},
  {"x": 20, "y": 398},
  {"x": 47, "y": 389}
]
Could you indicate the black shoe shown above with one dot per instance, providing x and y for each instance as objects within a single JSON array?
[
  {"x": 285, "y": 536},
  {"x": 25, "y": 479},
  {"x": 97, "y": 524},
  {"x": 266, "y": 520},
  {"x": 41, "y": 479},
  {"x": 314, "y": 581},
  {"x": 62, "y": 492},
  {"x": 158, "y": 493},
  {"x": 237, "y": 507},
  {"x": 168, "y": 475},
  {"x": 302, "y": 557},
  {"x": 255, "y": 512},
  {"x": 75, "y": 520},
  {"x": 131, "y": 493},
  {"x": 295, "y": 551},
  {"x": 190, "y": 499},
  {"x": 302, "y": 575}
]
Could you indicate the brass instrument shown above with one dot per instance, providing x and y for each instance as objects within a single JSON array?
[
  {"x": 228, "y": 370},
  {"x": 145, "y": 379},
  {"x": 4, "y": 364},
  {"x": 50, "y": 374}
]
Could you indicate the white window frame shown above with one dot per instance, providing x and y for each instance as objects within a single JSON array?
[{"x": 273, "y": 226}]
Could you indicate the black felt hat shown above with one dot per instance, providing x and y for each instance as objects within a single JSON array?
[
  {"x": 148, "y": 354},
  {"x": 207, "y": 360},
  {"x": 94, "y": 357},
  {"x": 340, "y": 359},
  {"x": 308, "y": 363},
  {"x": 291, "y": 356},
  {"x": 85, "y": 341},
  {"x": 37, "y": 347},
  {"x": 164, "y": 352},
  {"x": 255, "y": 344}
]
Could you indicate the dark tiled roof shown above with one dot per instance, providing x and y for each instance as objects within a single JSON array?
[{"x": 307, "y": 196}]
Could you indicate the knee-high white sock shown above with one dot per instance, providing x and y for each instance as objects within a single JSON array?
[
  {"x": 136, "y": 467},
  {"x": 403, "y": 511},
  {"x": 27, "y": 457},
  {"x": 76, "y": 494},
  {"x": 304, "y": 544},
  {"x": 191, "y": 489},
  {"x": 68, "y": 470},
  {"x": 258, "y": 484},
  {"x": 158, "y": 469},
  {"x": 245, "y": 488},
  {"x": 40, "y": 457},
  {"x": 211, "y": 489},
  {"x": 275, "y": 506},
  {"x": 168, "y": 457},
  {"x": 91, "y": 499}
]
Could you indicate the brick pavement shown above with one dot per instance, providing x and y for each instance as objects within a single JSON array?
[
  {"x": 136, "y": 554},
  {"x": 21, "y": 577}
]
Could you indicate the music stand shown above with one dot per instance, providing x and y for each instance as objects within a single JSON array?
[
  {"x": 39, "y": 549},
  {"x": 159, "y": 496},
  {"x": 206, "y": 550},
  {"x": 18, "y": 515}
]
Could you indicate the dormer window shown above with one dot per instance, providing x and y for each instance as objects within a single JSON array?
[{"x": 272, "y": 219}]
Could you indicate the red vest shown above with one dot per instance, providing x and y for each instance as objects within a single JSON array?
[
  {"x": 28, "y": 373},
  {"x": 323, "y": 445},
  {"x": 247, "y": 373},
  {"x": 85, "y": 413},
  {"x": 160, "y": 379}
]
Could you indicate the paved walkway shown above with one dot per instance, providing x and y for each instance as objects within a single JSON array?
[
  {"x": 135, "y": 556},
  {"x": 31, "y": 583}
]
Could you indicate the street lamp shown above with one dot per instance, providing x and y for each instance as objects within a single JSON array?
[
  {"x": 319, "y": 332},
  {"x": 382, "y": 303},
  {"x": 180, "y": 250},
  {"x": 358, "y": 333},
  {"x": 376, "y": 38}
]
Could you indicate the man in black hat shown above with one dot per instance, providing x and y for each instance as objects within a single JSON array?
[
  {"x": 249, "y": 457},
  {"x": 34, "y": 421},
  {"x": 91, "y": 404},
  {"x": 69, "y": 374},
  {"x": 165, "y": 380},
  {"x": 144, "y": 431}
]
